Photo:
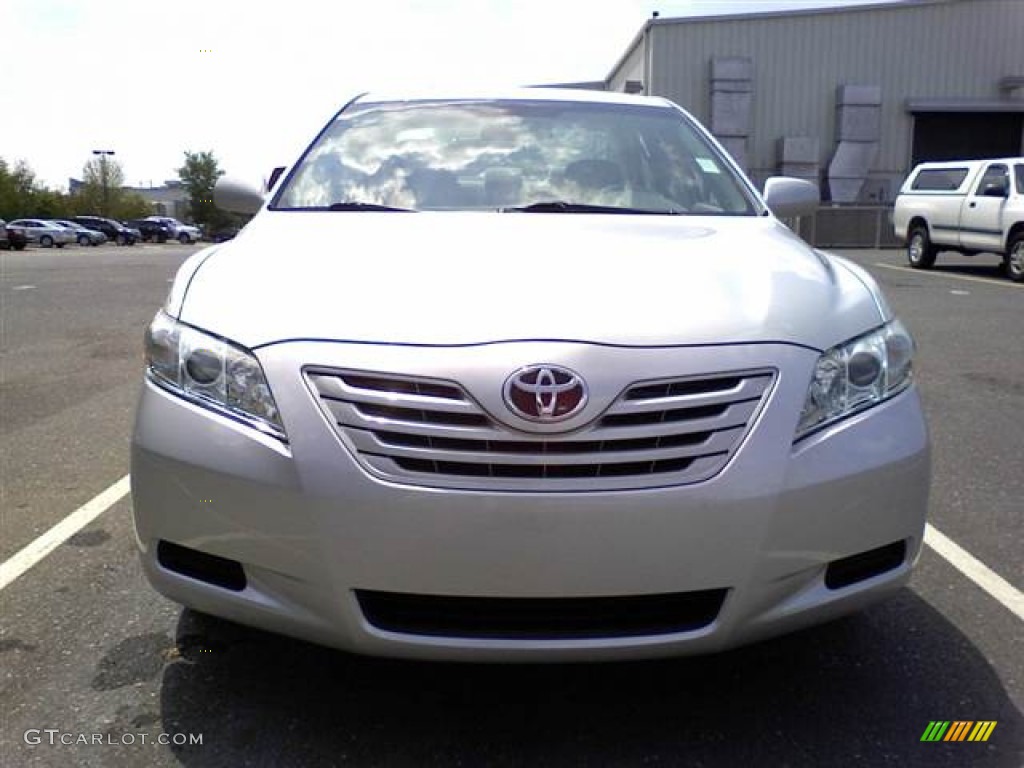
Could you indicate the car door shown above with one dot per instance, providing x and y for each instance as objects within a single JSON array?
[
  {"x": 33, "y": 229},
  {"x": 982, "y": 213}
]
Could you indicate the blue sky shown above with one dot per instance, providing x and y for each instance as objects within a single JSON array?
[{"x": 254, "y": 81}]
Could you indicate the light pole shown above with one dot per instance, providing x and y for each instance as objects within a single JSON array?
[{"x": 103, "y": 153}]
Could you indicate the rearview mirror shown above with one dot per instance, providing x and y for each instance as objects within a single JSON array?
[
  {"x": 788, "y": 197},
  {"x": 237, "y": 196}
]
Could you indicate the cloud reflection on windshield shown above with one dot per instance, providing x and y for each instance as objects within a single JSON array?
[{"x": 487, "y": 155}]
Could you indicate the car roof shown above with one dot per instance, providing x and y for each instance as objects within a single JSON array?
[
  {"x": 968, "y": 163},
  {"x": 579, "y": 96}
]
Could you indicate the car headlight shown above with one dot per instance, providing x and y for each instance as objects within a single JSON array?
[
  {"x": 211, "y": 372},
  {"x": 857, "y": 375}
]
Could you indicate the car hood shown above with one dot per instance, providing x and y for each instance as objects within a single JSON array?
[{"x": 470, "y": 278}]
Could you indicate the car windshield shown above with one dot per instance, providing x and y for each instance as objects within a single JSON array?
[{"x": 538, "y": 156}]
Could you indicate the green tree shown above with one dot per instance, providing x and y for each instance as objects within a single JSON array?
[
  {"x": 50, "y": 204},
  {"x": 16, "y": 187},
  {"x": 132, "y": 205},
  {"x": 21, "y": 194},
  {"x": 102, "y": 179},
  {"x": 9, "y": 200},
  {"x": 198, "y": 175}
]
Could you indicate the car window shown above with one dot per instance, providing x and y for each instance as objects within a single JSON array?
[
  {"x": 1018, "y": 171},
  {"x": 939, "y": 179},
  {"x": 486, "y": 155},
  {"x": 994, "y": 174}
]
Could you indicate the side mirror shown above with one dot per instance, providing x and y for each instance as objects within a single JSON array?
[
  {"x": 237, "y": 196},
  {"x": 995, "y": 189},
  {"x": 789, "y": 198}
]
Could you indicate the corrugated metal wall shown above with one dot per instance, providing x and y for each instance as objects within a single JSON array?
[{"x": 956, "y": 49}]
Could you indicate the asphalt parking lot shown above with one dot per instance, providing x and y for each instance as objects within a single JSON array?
[{"x": 90, "y": 651}]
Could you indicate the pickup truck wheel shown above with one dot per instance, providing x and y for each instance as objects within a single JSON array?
[
  {"x": 1015, "y": 259},
  {"x": 920, "y": 251}
]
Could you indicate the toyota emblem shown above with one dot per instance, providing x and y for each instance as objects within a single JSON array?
[{"x": 545, "y": 393}]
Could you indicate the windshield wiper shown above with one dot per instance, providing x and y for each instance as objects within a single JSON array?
[
  {"x": 356, "y": 205},
  {"x": 564, "y": 206}
]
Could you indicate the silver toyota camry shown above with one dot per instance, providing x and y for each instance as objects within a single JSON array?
[{"x": 530, "y": 375}]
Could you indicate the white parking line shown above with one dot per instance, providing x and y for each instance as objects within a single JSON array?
[
  {"x": 61, "y": 532},
  {"x": 975, "y": 570},
  {"x": 995, "y": 281}
]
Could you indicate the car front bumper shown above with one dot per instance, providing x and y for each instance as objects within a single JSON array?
[{"x": 310, "y": 527}]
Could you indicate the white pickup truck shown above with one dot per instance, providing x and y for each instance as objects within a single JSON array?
[{"x": 971, "y": 207}]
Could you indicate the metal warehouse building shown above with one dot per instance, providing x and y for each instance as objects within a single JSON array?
[{"x": 849, "y": 97}]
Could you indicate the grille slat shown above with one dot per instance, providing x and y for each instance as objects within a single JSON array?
[
  {"x": 685, "y": 388},
  {"x": 714, "y": 392},
  {"x": 489, "y": 452},
  {"x": 723, "y": 417},
  {"x": 348, "y": 417},
  {"x": 428, "y": 432},
  {"x": 422, "y": 398},
  {"x": 572, "y": 477}
]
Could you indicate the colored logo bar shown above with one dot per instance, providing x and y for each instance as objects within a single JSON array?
[{"x": 959, "y": 730}]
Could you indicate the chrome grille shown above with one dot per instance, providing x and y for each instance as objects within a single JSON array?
[{"x": 432, "y": 433}]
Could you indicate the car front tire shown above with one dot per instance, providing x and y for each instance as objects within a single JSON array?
[
  {"x": 46, "y": 241},
  {"x": 1015, "y": 258},
  {"x": 184, "y": 239},
  {"x": 84, "y": 240},
  {"x": 920, "y": 250}
]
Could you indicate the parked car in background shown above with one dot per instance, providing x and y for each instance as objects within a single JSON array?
[
  {"x": 676, "y": 428},
  {"x": 183, "y": 233},
  {"x": 83, "y": 235},
  {"x": 968, "y": 206},
  {"x": 114, "y": 230},
  {"x": 151, "y": 231},
  {"x": 11, "y": 239},
  {"x": 43, "y": 232}
]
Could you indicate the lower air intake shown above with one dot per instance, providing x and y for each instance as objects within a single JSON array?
[
  {"x": 541, "y": 618},
  {"x": 860, "y": 567},
  {"x": 212, "y": 569}
]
